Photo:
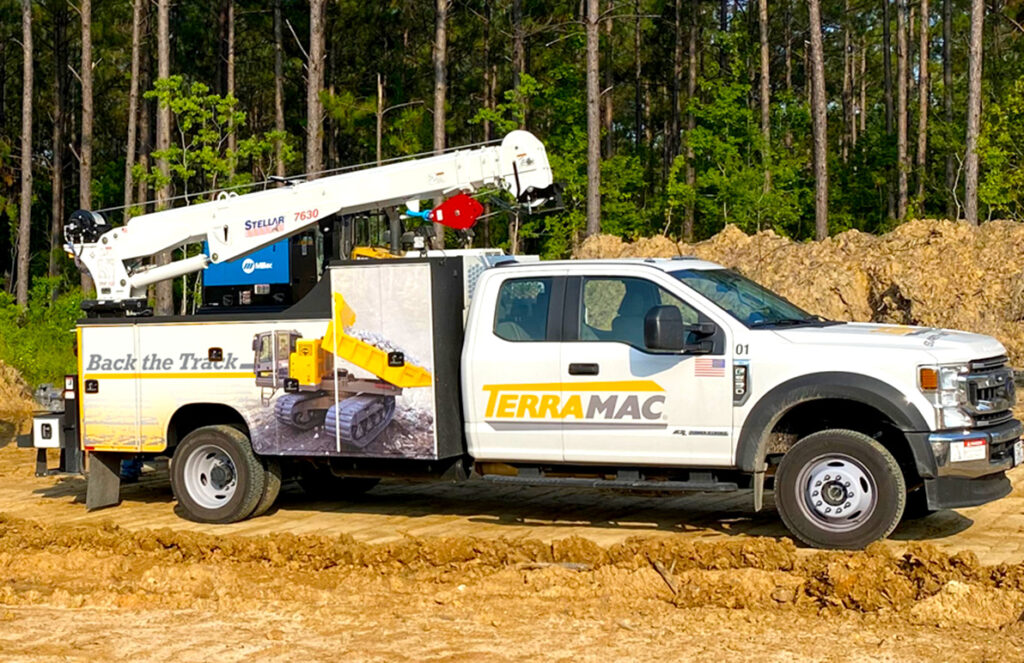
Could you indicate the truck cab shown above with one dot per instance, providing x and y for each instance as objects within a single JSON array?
[{"x": 676, "y": 372}]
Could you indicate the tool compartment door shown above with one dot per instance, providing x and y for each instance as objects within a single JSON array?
[
  {"x": 628, "y": 405},
  {"x": 510, "y": 369},
  {"x": 109, "y": 387}
]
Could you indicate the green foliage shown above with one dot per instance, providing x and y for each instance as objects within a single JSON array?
[
  {"x": 38, "y": 340},
  {"x": 1001, "y": 149},
  {"x": 200, "y": 158}
]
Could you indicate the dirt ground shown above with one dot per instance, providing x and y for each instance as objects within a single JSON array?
[{"x": 431, "y": 572}]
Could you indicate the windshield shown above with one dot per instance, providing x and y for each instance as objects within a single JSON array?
[{"x": 745, "y": 300}]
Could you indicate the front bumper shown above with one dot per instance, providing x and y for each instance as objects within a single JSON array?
[
  {"x": 969, "y": 465},
  {"x": 978, "y": 452},
  {"x": 957, "y": 493}
]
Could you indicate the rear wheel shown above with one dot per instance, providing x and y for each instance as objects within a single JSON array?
[
  {"x": 839, "y": 489},
  {"x": 215, "y": 475},
  {"x": 271, "y": 489}
]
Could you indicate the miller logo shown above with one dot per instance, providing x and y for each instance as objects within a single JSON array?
[
  {"x": 628, "y": 401},
  {"x": 249, "y": 265}
]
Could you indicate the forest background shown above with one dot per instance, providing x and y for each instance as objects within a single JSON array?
[{"x": 671, "y": 117}]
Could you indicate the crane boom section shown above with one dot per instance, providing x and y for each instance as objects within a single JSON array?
[{"x": 236, "y": 225}]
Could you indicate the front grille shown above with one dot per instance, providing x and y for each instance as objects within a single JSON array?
[
  {"x": 992, "y": 418},
  {"x": 988, "y": 364},
  {"x": 990, "y": 390}
]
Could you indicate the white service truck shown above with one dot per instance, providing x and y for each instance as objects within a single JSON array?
[{"x": 653, "y": 375}]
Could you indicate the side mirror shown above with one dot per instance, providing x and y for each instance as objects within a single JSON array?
[{"x": 664, "y": 330}]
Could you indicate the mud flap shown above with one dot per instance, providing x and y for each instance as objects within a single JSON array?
[{"x": 104, "y": 487}]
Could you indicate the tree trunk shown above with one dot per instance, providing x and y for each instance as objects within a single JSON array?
[
  {"x": 788, "y": 138},
  {"x": 901, "y": 109},
  {"x": 820, "y": 123},
  {"x": 609, "y": 85},
  {"x": 518, "y": 43},
  {"x": 947, "y": 102},
  {"x": 863, "y": 86},
  {"x": 638, "y": 108},
  {"x": 766, "y": 108},
  {"x": 854, "y": 82},
  {"x": 278, "y": 88},
  {"x": 846, "y": 139},
  {"x": 723, "y": 26},
  {"x": 887, "y": 65},
  {"x": 973, "y": 112},
  {"x": 314, "y": 85},
  {"x": 85, "y": 167},
  {"x": 380, "y": 119},
  {"x": 133, "y": 105},
  {"x": 164, "y": 289},
  {"x": 593, "y": 122},
  {"x": 691, "y": 120},
  {"x": 145, "y": 119},
  {"x": 922, "y": 107},
  {"x": 677, "y": 82},
  {"x": 232, "y": 135},
  {"x": 60, "y": 68},
  {"x": 25, "y": 211},
  {"x": 440, "y": 90}
]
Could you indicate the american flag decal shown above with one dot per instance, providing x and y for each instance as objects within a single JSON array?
[{"x": 705, "y": 367}]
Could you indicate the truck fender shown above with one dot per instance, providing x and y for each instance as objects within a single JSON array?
[{"x": 886, "y": 399}]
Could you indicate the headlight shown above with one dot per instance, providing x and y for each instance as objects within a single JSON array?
[{"x": 945, "y": 388}]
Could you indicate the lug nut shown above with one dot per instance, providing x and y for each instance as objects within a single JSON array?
[
  {"x": 847, "y": 484},
  {"x": 828, "y": 509},
  {"x": 847, "y": 505},
  {"x": 818, "y": 503},
  {"x": 814, "y": 494}
]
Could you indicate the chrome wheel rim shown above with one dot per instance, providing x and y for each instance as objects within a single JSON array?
[
  {"x": 836, "y": 492},
  {"x": 210, "y": 477}
]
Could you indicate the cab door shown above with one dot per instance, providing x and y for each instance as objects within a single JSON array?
[
  {"x": 510, "y": 369},
  {"x": 626, "y": 404}
]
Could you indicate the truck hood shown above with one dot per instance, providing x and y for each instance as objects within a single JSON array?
[{"x": 945, "y": 345}]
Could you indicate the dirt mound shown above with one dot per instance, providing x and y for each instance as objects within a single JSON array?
[
  {"x": 925, "y": 272},
  {"x": 15, "y": 402},
  {"x": 749, "y": 573},
  {"x": 958, "y": 604}
]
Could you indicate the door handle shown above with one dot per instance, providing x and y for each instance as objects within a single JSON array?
[{"x": 583, "y": 369}]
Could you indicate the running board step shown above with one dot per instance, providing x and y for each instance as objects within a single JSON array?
[{"x": 703, "y": 486}]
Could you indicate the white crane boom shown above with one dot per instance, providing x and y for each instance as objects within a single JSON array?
[{"x": 236, "y": 225}]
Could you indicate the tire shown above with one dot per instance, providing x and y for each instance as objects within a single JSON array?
[
  {"x": 215, "y": 475},
  {"x": 864, "y": 478},
  {"x": 271, "y": 489},
  {"x": 320, "y": 483}
]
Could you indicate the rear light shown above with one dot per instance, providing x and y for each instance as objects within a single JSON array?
[{"x": 70, "y": 387}]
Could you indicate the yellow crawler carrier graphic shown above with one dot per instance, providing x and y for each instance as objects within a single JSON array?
[{"x": 305, "y": 369}]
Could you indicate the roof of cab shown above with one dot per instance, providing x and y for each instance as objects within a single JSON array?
[{"x": 664, "y": 264}]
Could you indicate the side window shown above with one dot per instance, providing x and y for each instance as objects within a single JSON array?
[
  {"x": 614, "y": 308},
  {"x": 522, "y": 313}
]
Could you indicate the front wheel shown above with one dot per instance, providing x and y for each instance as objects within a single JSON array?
[
  {"x": 839, "y": 489},
  {"x": 215, "y": 475}
]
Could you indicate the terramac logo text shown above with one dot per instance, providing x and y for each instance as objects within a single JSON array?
[{"x": 528, "y": 401}]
